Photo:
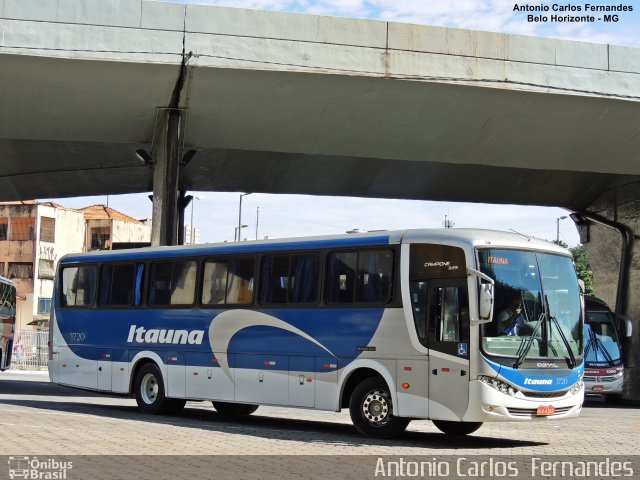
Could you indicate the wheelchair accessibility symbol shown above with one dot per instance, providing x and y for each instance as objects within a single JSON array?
[{"x": 462, "y": 349}]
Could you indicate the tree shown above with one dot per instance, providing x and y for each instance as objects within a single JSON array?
[{"x": 583, "y": 269}]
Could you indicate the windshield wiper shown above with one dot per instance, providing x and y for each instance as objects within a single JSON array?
[
  {"x": 572, "y": 358},
  {"x": 596, "y": 344},
  {"x": 527, "y": 346}
]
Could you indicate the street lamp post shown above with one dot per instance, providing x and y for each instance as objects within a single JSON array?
[
  {"x": 240, "y": 226},
  {"x": 237, "y": 231},
  {"x": 558, "y": 228},
  {"x": 193, "y": 230}
]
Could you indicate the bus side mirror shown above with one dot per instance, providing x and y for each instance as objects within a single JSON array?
[
  {"x": 626, "y": 326},
  {"x": 485, "y": 296}
]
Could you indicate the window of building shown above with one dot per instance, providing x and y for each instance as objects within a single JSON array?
[
  {"x": 44, "y": 306},
  {"x": 117, "y": 285},
  {"x": 46, "y": 269},
  {"x": 289, "y": 279},
  {"x": 360, "y": 277},
  {"x": 78, "y": 286},
  {"x": 228, "y": 282},
  {"x": 47, "y": 229},
  {"x": 20, "y": 270},
  {"x": 100, "y": 238},
  {"x": 22, "y": 228},
  {"x": 4, "y": 228},
  {"x": 172, "y": 283}
]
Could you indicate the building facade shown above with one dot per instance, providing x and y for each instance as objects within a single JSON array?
[{"x": 35, "y": 235}]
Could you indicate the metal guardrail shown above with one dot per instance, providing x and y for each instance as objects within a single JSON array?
[{"x": 30, "y": 350}]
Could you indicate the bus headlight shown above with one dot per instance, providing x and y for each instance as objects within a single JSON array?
[
  {"x": 498, "y": 385},
  {"x": 576, "y": 388}
]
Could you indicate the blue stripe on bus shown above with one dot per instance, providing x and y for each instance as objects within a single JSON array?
[
  {"x": 108, "y": 330},
  {"x": 221, "y": 249},
  {"x": 560, "y": 379}
]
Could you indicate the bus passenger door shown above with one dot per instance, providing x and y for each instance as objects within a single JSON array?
[{"x": 448, "y": 343}]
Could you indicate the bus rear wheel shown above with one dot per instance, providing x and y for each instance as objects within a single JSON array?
[
  {"x": 226, "y": 408},
  {"x": 371, "y": 410},
  {"x": 456, "y": 428},
  {"x": 150, "y": 393}
]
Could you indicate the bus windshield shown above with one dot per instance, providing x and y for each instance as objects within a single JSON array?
[
  {"x": 536, "y": 305},
  {"x": 601, "y": 337}
]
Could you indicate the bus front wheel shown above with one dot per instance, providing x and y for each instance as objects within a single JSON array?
[
  {"x": 226, "y": 408},
  {"x": 371, "y": 410},
  {"x": 150, "y": 393},
  {"x": 456, "y": 428}
]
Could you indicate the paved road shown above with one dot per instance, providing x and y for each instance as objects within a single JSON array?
[{"x": 45, "y": 419}]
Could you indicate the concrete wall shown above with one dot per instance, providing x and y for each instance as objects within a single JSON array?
[
  {"x": 604, "y": 253},
  {"x": 130, "y": 232}
]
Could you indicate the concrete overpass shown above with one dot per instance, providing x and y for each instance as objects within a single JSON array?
[{"x": 214, "y": 98}]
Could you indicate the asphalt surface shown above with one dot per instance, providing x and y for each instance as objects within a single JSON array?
[{"x": 41, "y": 418}]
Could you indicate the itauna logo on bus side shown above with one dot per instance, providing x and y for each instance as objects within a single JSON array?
[{"x": 161, "y": 335}]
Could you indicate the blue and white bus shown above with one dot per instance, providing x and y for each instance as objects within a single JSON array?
[
  {"x": 7, "y": 321},
  {"x": 392, "y": 325}
]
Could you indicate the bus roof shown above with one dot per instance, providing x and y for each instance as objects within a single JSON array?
[{"x": 473, "y": 237}]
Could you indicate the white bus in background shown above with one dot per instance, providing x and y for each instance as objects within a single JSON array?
[{"x": 394, "y": 326}]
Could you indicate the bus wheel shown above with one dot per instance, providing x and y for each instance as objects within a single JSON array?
[
  {"x": 372, "y": 411},
  {"x": 226, "y": 408},
  {"x": 456, "y": 428},
  {"x": 149, "y": 390}
]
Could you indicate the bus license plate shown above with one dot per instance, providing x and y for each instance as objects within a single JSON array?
[
  {"x": 597, "y": 388},
  {"x": 545, "y": 410}
]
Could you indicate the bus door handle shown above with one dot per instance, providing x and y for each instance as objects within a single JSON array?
[
  {"x": 434, "y": 371},
  {"x": 463, "y": 373}
]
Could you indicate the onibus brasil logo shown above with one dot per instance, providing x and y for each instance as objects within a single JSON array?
[{"x": 38, "y": 469}]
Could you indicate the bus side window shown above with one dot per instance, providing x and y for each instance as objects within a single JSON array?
[
  {"x": 365, "y": 276},
  {"x": 214, "y": 284},
  {"x": 341, "y": 277},
  {"x": 172, "y": 283},
  {"x": 375, "y": 269},
  {"x": 418, "y": 303},
  {"x": 78, "y": 286},
  {"x": 274, "y": 279},
  {"x": 448, "y": 316},
  {"x": 117, "y": 284},
  {"x": 240, "y": 281},
  {"x": 303, "y": 279},
  {"x": 290, "y": 279}
]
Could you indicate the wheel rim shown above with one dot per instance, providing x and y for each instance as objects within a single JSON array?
[
  {"x": 376, "y": 407},
  {"x": 149, "y": 388}
]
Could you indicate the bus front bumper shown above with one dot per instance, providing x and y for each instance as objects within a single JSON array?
[{"x": 486, "y": 404}]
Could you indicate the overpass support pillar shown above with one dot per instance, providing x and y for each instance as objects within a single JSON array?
[
  {"x": 609, "y": 232},
  {"x": 165, "y": 215}
]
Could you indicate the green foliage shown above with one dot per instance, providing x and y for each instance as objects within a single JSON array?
[
  {"x": 583, "y": 269},
  {"x": 560, "y": 243}
]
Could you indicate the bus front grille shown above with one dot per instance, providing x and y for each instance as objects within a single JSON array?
[
  {"x": 600, "y": 379},
  {"x": 545, "y": 394}
]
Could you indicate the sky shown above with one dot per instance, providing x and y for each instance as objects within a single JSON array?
[{"x": 216, "y": 214}]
